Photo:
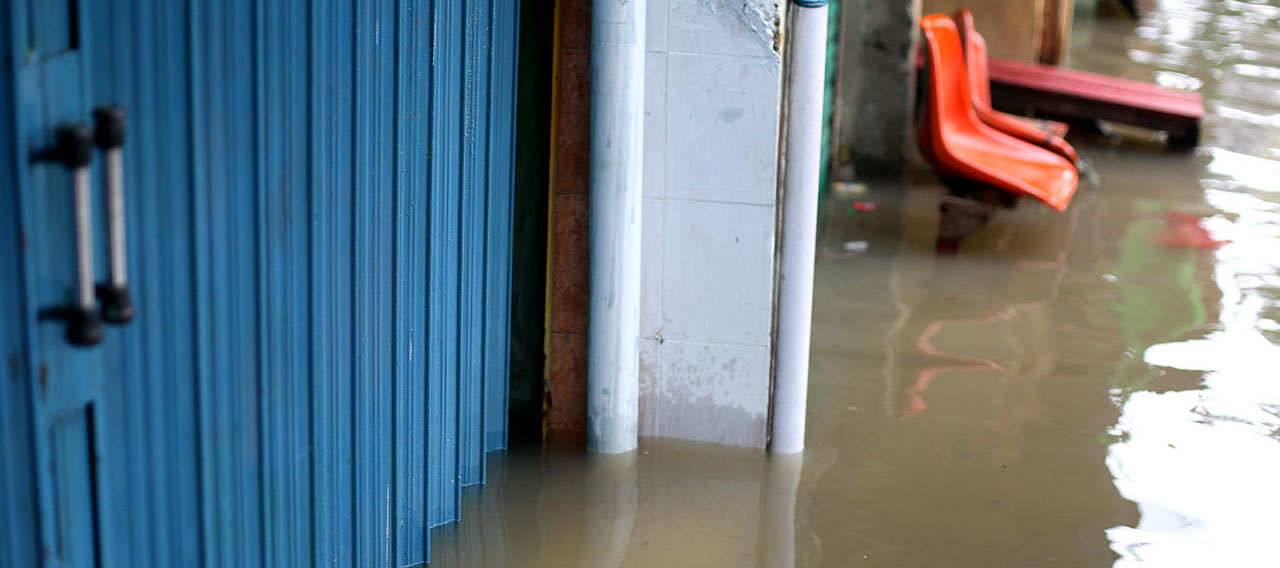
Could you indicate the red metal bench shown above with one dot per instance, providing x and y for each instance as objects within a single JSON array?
[{"x": 1078, "y": 95}]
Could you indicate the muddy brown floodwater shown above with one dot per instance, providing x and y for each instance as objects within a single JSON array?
[{"x": 1094, "y": 388}]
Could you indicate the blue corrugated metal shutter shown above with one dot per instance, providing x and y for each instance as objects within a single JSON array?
[{"x": 319, "y": 232}]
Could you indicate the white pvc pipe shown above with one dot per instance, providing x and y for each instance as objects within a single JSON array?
[
  {"x": 805, "y": 79},
  {"x": 617, "y": 160}
]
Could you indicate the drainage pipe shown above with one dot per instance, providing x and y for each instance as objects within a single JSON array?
[
  {"x": 617, "y": 145},
  {"x": 805, "y": 78}
]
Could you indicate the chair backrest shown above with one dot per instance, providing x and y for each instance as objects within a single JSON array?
[
  {"x": 949, "y": 103},
  {"x": 975, "y": 58}
]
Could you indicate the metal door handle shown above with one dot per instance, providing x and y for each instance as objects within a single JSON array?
[
  {"x": 73, "y": 148},
  {"x": 117, "y": 302}
]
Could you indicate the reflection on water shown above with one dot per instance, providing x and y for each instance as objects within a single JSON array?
[
  {"x": 670, "y": 504},
  {"x": 1200, "y": 463},
  {"x": 1094, "y": 388}
]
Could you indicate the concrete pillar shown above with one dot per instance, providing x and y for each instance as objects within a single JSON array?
[{"x": 875, "y": 88}]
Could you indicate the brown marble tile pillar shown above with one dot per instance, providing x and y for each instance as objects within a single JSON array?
[{"x": 568, "y": 278}]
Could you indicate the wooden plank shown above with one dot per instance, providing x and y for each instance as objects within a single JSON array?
[
  {"x": 1071, "y": 94},
  {"x": 19, "y": 501},
  {"x": 1055, "y": 30},
  {"x": 1094, "y": 86},
  {"x": 1018, "y": 71}
]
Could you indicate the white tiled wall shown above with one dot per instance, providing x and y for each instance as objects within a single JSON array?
[
  {"x": 721, "y": 27},
  {"x": 721, "y": 128},
  {"x": 651, "y": 262},
  {"x": 711, "y": 141},
  {"x": 655, "y": 123},
  {"x": 716, "y": 271}
]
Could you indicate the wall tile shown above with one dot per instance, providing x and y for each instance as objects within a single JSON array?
[
  {"x": 655, "y": 125},
  {"x": 726, "y": 27},
  {"x": 713, "y": 392},
  {"x": 651, "y": 254},
  {"x": 656, "y": 26},
  {"x": 717, "y": 272},
  {"x": 568, "y": 382},
  {"x": 650, "y": 386},
  {"x": 573, "y": 127},
  {"x": 575, "y": 24},
  {"x": 570, "y": 276},
  {"x": 722, "y": 128}
]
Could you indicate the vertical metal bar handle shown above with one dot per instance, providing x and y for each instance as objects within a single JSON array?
[
  {"x": 84, "y": 238},
  {"x": 117, "y": 302},
  {"x": 74, "y": 148}
]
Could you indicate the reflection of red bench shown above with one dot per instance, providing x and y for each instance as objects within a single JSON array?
[{"x": 1069, "y": 94}]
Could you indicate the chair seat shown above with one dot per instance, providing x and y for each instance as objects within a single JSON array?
[
  {"x": 1044, "y": 133},
  {"x": 962, "y": 146},
  {"x": 1028, "y": 130},
  {"x": 1050, "y": 127},
  {"x": 997, "y": 159}
]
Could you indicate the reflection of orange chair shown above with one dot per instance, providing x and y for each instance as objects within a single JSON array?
[
  {"x": 1043, "y": 133},
  {"x": 913, "y": 398},
  {"x": 962, "y": 147}
]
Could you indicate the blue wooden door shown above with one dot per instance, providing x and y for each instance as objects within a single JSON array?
[
  {"x": 318, "y": 205},
  {"x": 63, "y": 381}
]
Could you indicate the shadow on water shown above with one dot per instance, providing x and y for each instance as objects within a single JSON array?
[{"x": 1092, "y": 388}]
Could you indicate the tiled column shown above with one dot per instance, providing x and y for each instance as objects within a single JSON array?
[
  {"x": 567, "y": 365},
  {"x": 713, "y": 90}
]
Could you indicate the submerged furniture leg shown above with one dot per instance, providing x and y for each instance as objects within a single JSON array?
[{"x": 959, "y": 219}]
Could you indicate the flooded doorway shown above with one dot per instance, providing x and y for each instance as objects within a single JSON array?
[{"x": 1093, "y": 388}]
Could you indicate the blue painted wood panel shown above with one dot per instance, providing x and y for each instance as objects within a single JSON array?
[
  {"x": 19, "y": 541},
  {"x": 62, "y": 382},
  {"x": 319, "y": 235},
  {"x": 148, "y": 418}
]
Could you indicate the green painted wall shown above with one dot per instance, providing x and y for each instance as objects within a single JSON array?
[{"x": 829, "y": 96}]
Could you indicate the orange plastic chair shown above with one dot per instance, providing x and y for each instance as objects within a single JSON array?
[
  {"x": 963, "y": 147},
  {"x": 1045, "y": 133}
]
